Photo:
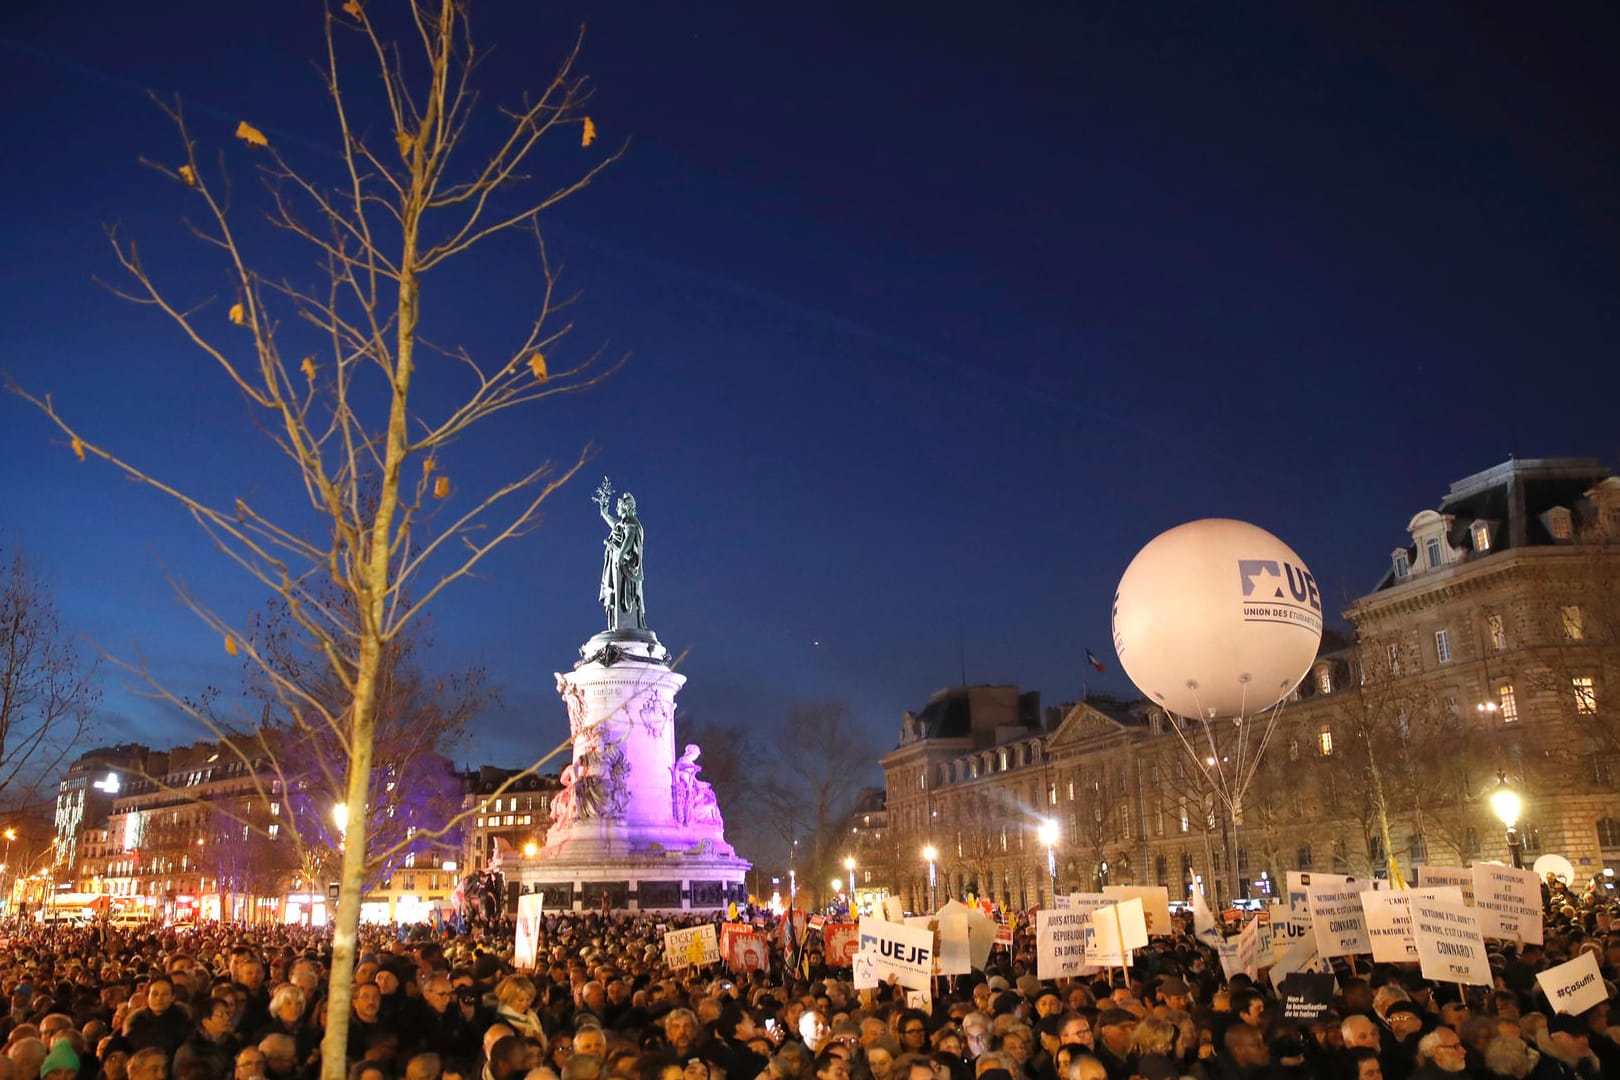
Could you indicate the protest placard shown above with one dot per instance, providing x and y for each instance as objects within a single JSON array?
[
  {"x": 1003, "y": 936},
  {"x": 1248, "y": 949},
  {"x": 1133, "y": 926},
  {"x": 818, "y": 922},
  {"x": 1306, "y": 995},
  {"x": 1435, "y": 877},
  {"x": 1508, "y": 902},
  {"x": 1205, "y": 928},
  {"x": 841, "y": 939},
  {"x": 1155, "y": 905},
  {"x": 530, "y": 907},
  {"x": 1286, "y": 927},
  {"x": 894, "y": 909},
  {"x": 1300, "y": 956},
  {"x": 691, "y": 946},
  {"x": 1575, "y": 986},
  {"x": 906, "y": 952},
  {"x": 1337, "y": 920},
  {"x": 1389, "y": 926},
  {"x": 1231, "y": 964},
  {"x": 863, "y": 971},
  {"x": 1060, "y": 902},
  {"x": 1105, "y": 946},
  {"x": 954, "y": 942},
  {"x": 1449, "y": 945},
  {"x": 743, "y": 949},
  {"x": 1060, "y": 944}
]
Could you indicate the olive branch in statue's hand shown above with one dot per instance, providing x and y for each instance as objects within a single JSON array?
[{"x": 604, "y": 492}]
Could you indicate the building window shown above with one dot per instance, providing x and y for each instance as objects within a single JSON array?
[
  {"x": 1302, "y": 857},
  {"x": 1419, "y": 849},
  {"x": 1558, "y": 523},
  {"x": 1002, "y": 756},
  {"x": 1324, "y": 741},
  {"x": 1442, "y": 646},
  {"x": 1482, "y": 537},
  {"x": 1431, "y": 548},
  {"x": 1585, "y": 695},
  {"x": 1574, "y": 629},
  {"x": 1608, "y": 832},
  {"x": 1161, "y": 869},
  {"x": 275, "y": 830},
  {"x": 1497, "y": 631},
  {"x": 1324, "y": 680},
  {"x": 1393, "y": 652},
  {"x": 922, "y": 779},
  {"x": 1051, "y": 794},
  {"x": 1509, "y": 702},
  {"x": 1403, "y": 566}
]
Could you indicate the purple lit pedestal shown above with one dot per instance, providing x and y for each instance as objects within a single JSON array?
[{"x": 635, "y": 827}]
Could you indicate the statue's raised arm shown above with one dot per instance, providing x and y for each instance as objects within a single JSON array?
[{"x": 622, "y": 573}]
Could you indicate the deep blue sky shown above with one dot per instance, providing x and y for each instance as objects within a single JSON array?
[{"x": 938, "y": 313}]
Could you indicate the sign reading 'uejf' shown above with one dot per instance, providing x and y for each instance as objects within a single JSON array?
[{"x": 906, "y": 952}]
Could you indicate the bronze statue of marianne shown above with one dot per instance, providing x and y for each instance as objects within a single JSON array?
[{"x": 621, "y": 592}]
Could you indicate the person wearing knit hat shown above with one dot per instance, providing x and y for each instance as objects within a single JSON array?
[{"x": 61, "y": 1063}]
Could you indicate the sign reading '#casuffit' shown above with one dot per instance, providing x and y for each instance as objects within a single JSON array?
[{"x": 1575, "y": 986}]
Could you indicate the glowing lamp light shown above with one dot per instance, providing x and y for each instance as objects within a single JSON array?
[
  {"x": 109, "y": 785},
  {"x": 1047, "y": 833},
  {"x": 849, "y": 863},
  {"x": 1505, "y": 801},
  {"x": 530, "y": 849},
  {"x": 837, "y": 885},
  {"x": 929, "y": 853}
]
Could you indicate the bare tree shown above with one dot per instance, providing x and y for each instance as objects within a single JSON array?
[
  {"x": 46, "y": 692},
  {"x": 823, "y": 761},
  {"x": 331, "y": 370}
]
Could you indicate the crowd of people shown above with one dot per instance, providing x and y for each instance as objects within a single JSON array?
[{"x": 203, "y": 1003}]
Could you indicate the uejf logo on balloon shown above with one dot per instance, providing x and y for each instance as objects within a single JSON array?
[{"x": 1261, "y": 577}]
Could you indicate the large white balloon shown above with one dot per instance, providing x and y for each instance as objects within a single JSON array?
[{"x": 1217, "y": 618}]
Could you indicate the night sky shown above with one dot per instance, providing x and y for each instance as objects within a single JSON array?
[{"x": 938, "y": 312}]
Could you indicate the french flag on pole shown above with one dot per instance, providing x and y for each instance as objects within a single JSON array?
[{"x": 1091, "y": 658}]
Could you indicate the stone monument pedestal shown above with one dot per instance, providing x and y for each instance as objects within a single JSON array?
[{"x": 633, "y": 827}]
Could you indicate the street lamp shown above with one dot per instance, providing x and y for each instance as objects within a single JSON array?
[
  {"x": 930, "y": 854},
  {"x": 1505, "y": 801},
  {"x": 1048, "y": 835}
]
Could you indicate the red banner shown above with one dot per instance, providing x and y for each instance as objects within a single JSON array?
[
  {"x": 743, "y": 949},
  {"x": 843, "y": 942}
]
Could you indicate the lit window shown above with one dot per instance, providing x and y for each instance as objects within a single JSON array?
[
  {"x": 922, "y": 780},
  {"x": 480, "y": 823},
  {"x": 1324, "y": 680},
  {"x": 1558, "y": 523},
  {"x": 1394, "y": 653},
  {"x": 1431, "y": 548},
  {"x": 1403, "y": 566},
  {"x": 410, "y": 858},
  {"x": 1051, "y": 794},
  {"x": 1498, "y": 632},
  {"x": 1585, "y": 695},
  {"x": 1071, "y": 790},
  {"x": 1003, "y": 757},
  {"x": 1324, "y": 741},
  {"x": 275, "y": 831},
  {"x": 1442, "y": 646},
  {"x": 1574, "y": 628},
  {"x": 1510, "y": 703},
  {"x": 1482, "y": 537}
]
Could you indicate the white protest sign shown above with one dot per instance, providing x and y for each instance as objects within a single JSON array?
[
  {"x": 1204, "y": 926},
  {"x": 1300, "y": 956},
  {"x": 906, "y": 952},
  {"x": 981, "y": 935},
  {"x": 1155, "y": 905},
  {"x": 1508, "y": 902},
  {"x": 1248, "y": 949},
  {"x": 1449, "y": 945},
  {"x": 1575, "y": 986},
  {"x": 529, "y": 909},
  {"x": 1339, "y": 924},
  {"x": 1287, "y": 927},
  {"x": 1231, "y": 964},
  {"x": 1389, "y": 926},
  {"x": 1060, "y": 903},
  {"x": 1133, "y": 927},
  {"x": 692, "y": 946},
  {"x": 1104, "y": 945},
  {"x": 1434, "y": 877},
  {"x": 955, "y": 951},
  {"x": 1299, "y": 902},
  {"x": 894, "y": 909},
  {"x": 920, "y": 999},
  {"x": 1060, "y": 944},
  {"x": 863, "y": 967}
]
